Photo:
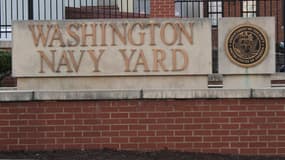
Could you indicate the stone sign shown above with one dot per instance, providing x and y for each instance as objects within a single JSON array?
[
  {"x": 247, "y": 45},
  {"x": 121, "y": 47}
]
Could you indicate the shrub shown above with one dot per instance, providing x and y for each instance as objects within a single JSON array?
[{"x": 5, "y": 63}]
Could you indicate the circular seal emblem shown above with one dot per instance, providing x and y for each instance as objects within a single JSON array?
[{"x": 246, "y": 45}]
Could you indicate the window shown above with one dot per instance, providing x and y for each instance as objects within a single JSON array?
[
  {"x": 142, "y": 6},
  {"x": 248, "y": 8},
  {"x": 190, "y": 8},
  {"x": 215, "y": 11}
]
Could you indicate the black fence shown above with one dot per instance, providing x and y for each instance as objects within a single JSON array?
[
  {"x": 11, "y": 10},
  {"x": 215, "y": 9},
  {"x": 84, "y": 9}
]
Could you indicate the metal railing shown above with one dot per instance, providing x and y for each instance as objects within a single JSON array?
[
  {"x": 215, "y": 9},
  {"x": 67, "y": 9}
]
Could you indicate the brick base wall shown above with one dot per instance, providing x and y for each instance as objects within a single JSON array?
[{"x": 235, "y": 126}]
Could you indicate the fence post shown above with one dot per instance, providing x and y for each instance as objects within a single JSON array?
[
  {"x": 283, "y": 10},
  {"x": 30, "y": 9}
]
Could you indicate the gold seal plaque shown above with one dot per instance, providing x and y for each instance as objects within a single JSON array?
[{"x": 246, "y": 45}]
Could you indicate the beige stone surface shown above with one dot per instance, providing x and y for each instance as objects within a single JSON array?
[
  {"x": 113, "y": 83},
  {"x": 267, "y": 66},
  {"x": 247, "y": 81},
  {"x": 27, "y": 59}
]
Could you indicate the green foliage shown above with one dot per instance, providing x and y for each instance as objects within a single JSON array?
[{"x": 5, "y": 62}]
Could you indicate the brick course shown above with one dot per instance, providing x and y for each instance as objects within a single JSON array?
[{"x": 235, "y": 126}]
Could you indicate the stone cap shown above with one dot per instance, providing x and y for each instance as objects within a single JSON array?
[{"x": 25, "y": 95}]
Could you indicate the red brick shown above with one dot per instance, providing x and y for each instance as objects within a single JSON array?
[
  {"x": 212, "y": 139},
  {"x": 275, "y": 107},
  {"x": 257, "y": 120},
  {"x": 46, "y": 141},
  {"x": 146, "y": 133},
  {"x": 91, "y": 121},
  {"x": 220, "y": 145},
  {"x": 230, "y": 126},
  {"x": 17, "y": 110},
  {"x": 219, "y": 108},
  {"x": 55, "y": 122},
  {"x": 147, "y": 146},
  {"x": 74, "y": 122},
  {"x": 46, "y": 116},
  {"x": 73, "y": 134},
  {"x": 18, "y": 122},
  {"x": 8, "y": 116},
  {"x": 249, "y": 151},
  {"x": 137, "y": 115},
  {"x": 126, "y": 121},
  {"x": 63, "y": 128},
  {"x": 101, "y": 140},
  {"x": 129, "y": 146},
  {"x": 248, "y": 138},
  {"x": 229, "y": 114},
  {"x": 55, "y": 134},
  {"x": 248, "y": 126},
  {"x": 17, "y": 147},
  {"x": 193, "y": 114},
  {"x": 47, "y": 128},
  {"x": 183, "y": 145},
  {"x": 119, "y": 140},
  {"x": 37, "y": 122},
  {"x": 247, "y": 114},
  {"x": 174, "y": 114},
  {"x": 6, "y": 123},
  {"x": 64, "y": 116},
  {"x": 119, "y": 115},
  {"x": 146, "y": 121},
  {"x": 128, "y": 133},
  {"x": 109, "y": 134},
  {"x": 54, "y": 147},
  {"x": 157, "y": 139},
  {"x": 268, "y": 151},
  {"x": 119, "y": 127},
  {"x": 164, "y": 120},
  {"x": 202, "y": 132},
  {"x": 257, "y": 132},
  {"x": 230, "y": 139},
  {"x": 221, "y": 132},
  {"x": 138, "y": 139},
  {"x": 73, "y": 146},
  {"x": 110, "y": 146},
  {"x": 157, "y": 127},
  {"x": 211, "y": 126},
  {"x": 230, "y": 151},
  {"x": 91, "y": 134},
  {"x": 266, "y": 114},
  {"x": 35, "y": 147},
  {"x": 28, "y": 141},
  {"x": 267, "y": 138},
  {"x": 193, "y": 126},
  {"x": 54, "y": 110},
  {"x": 82, "y": 128},
  {"x": 201, "y": 145},
  {"x": 220, "y": 120},
  {"x": 210, "y": 114},
  {"x": 127, "y": 109},
  {"x": 276, "y": 132}
]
